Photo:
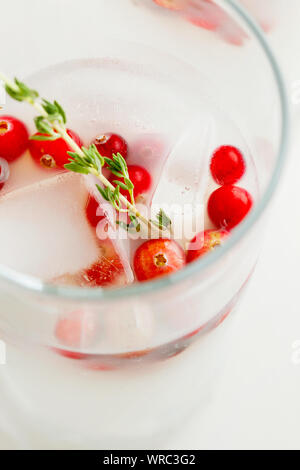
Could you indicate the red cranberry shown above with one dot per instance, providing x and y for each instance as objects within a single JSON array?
[
  {"x": 104, "y": 272},
  {"x": 156, "y": 258},
  {"x": 13, "y": 138},
  {"x": 91, "y": 209},
  {"x": 204, "y": 242},
  {"x": 228, "y": 205},
  {"x": 227, "y": 165},
  {"x": 108, "y": 144},
  {"x": 52, "y": 153},
  {"x": 139, "y": 176}
]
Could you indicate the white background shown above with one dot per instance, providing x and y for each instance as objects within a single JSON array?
[{"x": 258, "y": 402}]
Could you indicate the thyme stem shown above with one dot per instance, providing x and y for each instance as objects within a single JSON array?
[{"x": 55, "y": 120}]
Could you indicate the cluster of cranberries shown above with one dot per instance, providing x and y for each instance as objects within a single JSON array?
[
  {"x": 105, "y": 271},
  {"x": 156, "y": 258},
  {"x": 227, "y": 206},
  {"x": 14, "y": 141},
  {"x": 54, "y": 154}
]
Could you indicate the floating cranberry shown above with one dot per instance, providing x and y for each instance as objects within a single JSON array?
[
  {"x": 156, "y": 258},
  {"x": 52, "y": 153},
  {"x": 13, "y": 138},
  {"x": 228, "y": 205},
  {"x": 227, "y": 165}
]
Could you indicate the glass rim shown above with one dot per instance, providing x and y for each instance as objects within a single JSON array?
[{"x": 35, "y": 285}]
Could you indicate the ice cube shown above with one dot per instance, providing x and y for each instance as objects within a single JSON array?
[
  {"x": 24, "y": 172},
  {"x": 44, "y": 231},
  {"x": 150, "y": 151},
  {"x": 183, "y": 186}
]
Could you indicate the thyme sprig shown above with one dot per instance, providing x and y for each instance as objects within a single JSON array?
[
  {"x": 51, "y": 123},
  {"x": 118, "y": 167},
  {"x": 90, "y": 162},
  {"x": 44, "y": 125}
]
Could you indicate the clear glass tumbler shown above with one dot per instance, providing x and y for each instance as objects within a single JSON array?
[{"x": 146, "y": 355}]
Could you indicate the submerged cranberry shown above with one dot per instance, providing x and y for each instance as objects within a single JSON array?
[
  {"x": 204, "y": 242},
  {"x": 140, "y": 178},
  {"x": 91, "y": 210},
  {"x": 108, "y": 144}
]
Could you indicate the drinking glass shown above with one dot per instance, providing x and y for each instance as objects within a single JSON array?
[{"x": 148, "y": 355}]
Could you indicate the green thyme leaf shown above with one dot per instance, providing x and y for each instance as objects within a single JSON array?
[
  {"x": 104, "y": 192},
  {"x": 25, "y": 90},
  {"x": 21, "y": 92},
  {"x": 61, "y": 112},
  {"x": 118, "y": 167},
  {"x": 43, "y": 125},
  {"x": 122, "y": 185},
  {"x": 128, "y": 183},
  {"x": 44, "y": 137},
  {"x": 91, "y": 159},
  {"x": 54, "y": 111},
  {"x": 163, "y": 220},
  {"x": 76, "y": 168}
]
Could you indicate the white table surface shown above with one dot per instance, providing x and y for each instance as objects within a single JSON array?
[{"x": 257, "y": 404}]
